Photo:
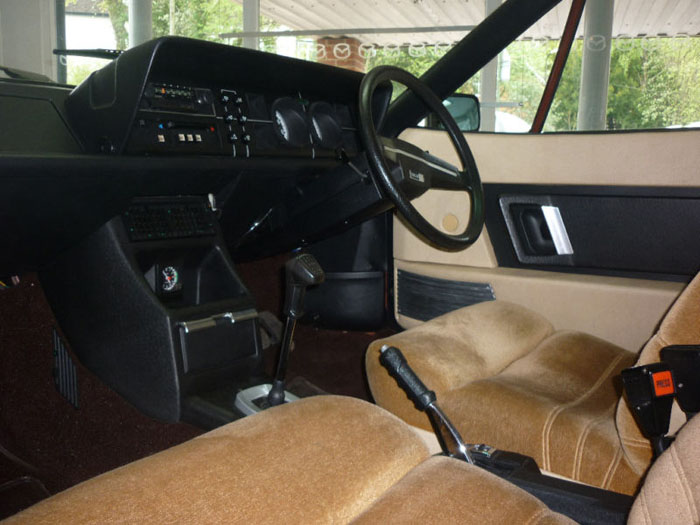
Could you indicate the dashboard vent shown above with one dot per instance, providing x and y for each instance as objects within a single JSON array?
[
  {"x": 169, "y": 220},
  {"x": 423, "y": 298}
]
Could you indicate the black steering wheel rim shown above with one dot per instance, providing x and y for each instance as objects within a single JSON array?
[{"x": 382, "y": 174}]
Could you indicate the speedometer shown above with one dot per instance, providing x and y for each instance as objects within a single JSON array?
[
  {"x": 281, "y": 125},
  {"x": 290, "y": 122}
]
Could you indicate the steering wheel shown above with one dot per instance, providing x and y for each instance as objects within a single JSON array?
[{"x": 404, "y": 171}]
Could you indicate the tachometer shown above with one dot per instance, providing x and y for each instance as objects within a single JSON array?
[{"x": 325, "y": 127}]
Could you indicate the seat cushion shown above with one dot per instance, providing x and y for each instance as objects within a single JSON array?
[
  {"x": 444, "y": 490},
  {"x": 455, "y": 349},
  {"x": 551, "y": 396},
  {"x": 557, "y": 404},
  {"x": 318, "y": 460}
]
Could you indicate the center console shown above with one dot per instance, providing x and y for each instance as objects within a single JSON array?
[{"x": 151, "y": 303}]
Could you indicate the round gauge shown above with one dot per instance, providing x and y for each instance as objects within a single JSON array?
[
  {"x": 325, "y": 127},
  {"x": 281, "y": 124},
  {"x": 171, "y": 279},
  {"x": 289, "y": 121}
]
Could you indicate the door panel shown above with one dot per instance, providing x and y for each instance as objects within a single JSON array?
[
  {"x": 629, "y": 158},
  {"x": 623, "y": 311},
  {"x": 629, "y": 203}
]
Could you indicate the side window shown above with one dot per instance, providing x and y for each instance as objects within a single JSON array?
[{"x": 654, "y": 78}]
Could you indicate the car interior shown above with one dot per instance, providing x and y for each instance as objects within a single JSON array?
[{"x": 237, "y": 286}]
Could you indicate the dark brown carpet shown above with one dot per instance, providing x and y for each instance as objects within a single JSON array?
[
  {"x": 333, "y": 360},
  {"x": 58, "y": 446},
  {"x": 64, "y": 445}
]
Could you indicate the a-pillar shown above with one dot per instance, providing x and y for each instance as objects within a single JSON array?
[{"x": 341, "y": 52}]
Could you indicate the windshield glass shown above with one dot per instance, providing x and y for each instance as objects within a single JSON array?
[{"x": 654, "y": 77}]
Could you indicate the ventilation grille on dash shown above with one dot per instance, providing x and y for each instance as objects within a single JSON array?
[
  {"x": 64, "y": 374},
  {"x": 424, "y": 298},
  {"x": 160, "y": 220}
]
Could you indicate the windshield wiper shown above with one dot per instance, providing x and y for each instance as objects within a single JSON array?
[
  {"x": 109, "y": 54},
  {"x": 21, "y": 74}
]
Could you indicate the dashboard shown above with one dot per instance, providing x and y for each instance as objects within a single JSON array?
[
  {"x": 272, "y": 142},
  {"x": 188, "y": 97}
]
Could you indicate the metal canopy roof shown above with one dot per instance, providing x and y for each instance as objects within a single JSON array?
[{"x": 633, "y": 18}]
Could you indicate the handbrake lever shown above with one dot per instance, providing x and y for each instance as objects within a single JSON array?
[{"x": 425, "y": 400}]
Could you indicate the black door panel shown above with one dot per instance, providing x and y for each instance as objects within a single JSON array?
[{"x": 632, "y": 231}]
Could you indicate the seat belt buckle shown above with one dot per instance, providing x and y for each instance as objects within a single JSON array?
[{"x": 650, "y": 390}]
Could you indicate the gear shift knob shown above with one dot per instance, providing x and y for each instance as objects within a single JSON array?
[{"x": 300, "y": 272}]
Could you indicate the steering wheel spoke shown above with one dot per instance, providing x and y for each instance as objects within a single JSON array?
[
  {"x": 404, "y": 171},
  {"x": 468, "y": 181}
]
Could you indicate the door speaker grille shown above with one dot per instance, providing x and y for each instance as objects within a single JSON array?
[{"x": 423, "y": 298}]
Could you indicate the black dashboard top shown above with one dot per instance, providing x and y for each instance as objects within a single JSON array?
[
  {"x": 273, "y": 140},
  {"x": 180, "y": 96}
]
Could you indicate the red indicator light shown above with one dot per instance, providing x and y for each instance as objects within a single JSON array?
[{"x": 212, "y": 129}]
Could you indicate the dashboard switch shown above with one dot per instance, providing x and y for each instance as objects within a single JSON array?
[
  {"x": 224, "y": 99},
  {"x": 232, "y": 137},
  {"x": 228, "y": 117},
  {"x": 242, "y": 119},
  {"x": 246, "y": 138}
]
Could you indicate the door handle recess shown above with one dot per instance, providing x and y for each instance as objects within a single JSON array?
[{"x": 540, "y": 229}]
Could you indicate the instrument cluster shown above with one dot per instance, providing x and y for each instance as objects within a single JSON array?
[
  {"x": 289, "y": 124},
  {"x": 228, "y": 121}
]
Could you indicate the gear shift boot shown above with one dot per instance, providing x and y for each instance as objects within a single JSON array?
[
  {"x": 254, "y": 399},
  {"x": 300, "y": 272}
]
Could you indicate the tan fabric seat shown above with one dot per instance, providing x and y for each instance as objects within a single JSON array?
[
  {"x": 319, "y": 460},
  {"x": 507, "y": 379},
  {"x": 671, "y": 490}
]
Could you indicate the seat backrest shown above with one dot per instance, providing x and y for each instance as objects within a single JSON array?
[
  {"x": 671, "y": 490},
  {"x": 680, "y": 326}
]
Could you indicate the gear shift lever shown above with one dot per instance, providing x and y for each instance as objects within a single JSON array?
[{"x": 300, "y": 272}]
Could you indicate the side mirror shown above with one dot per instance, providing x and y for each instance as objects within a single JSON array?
[{"x": 463, "y": 108}]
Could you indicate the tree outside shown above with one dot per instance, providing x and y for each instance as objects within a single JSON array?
[{"x": 654, "y": 82}]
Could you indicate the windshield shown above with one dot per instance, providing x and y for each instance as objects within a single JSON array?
[{"x": 654, "y": 60}]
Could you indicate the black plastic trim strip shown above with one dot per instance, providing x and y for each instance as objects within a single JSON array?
[{"x": 423, "y": 298}]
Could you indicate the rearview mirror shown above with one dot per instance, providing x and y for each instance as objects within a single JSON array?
[{"x": 463, "y": 108}]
